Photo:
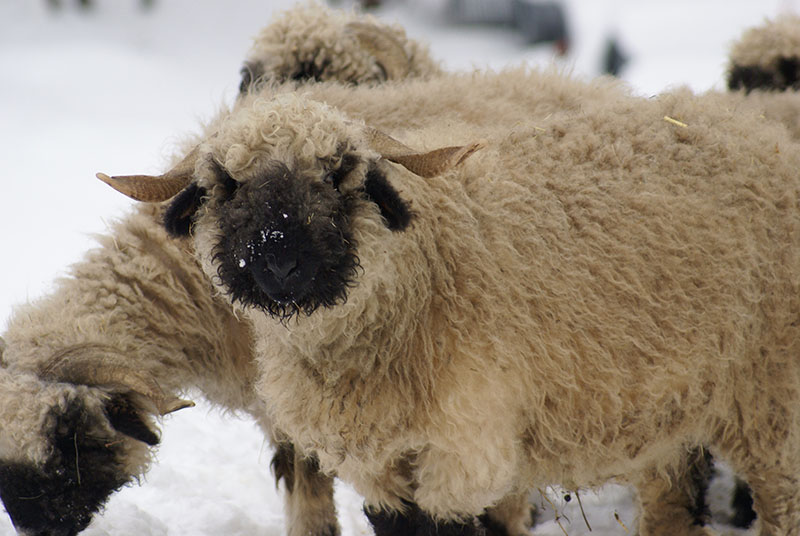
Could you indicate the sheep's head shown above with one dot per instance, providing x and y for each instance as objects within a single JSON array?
[
  {"x": 66, "y": 444},
  {"x": 314, "y": 42},
  {"x": 767, "y": 57},
  {"x": 275, "y": 196}
]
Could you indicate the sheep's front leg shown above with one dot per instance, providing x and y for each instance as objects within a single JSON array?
[{"x": 310, "y": 509}]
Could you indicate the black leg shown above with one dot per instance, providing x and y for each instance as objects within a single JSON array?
[{"x": 414, "y": 522}]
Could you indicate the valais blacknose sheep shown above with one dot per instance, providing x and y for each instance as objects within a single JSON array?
[
  {"x": 543, "y": 282},
  {"x": 137, "y": 323},
  {"x": 314, "y": 42}
]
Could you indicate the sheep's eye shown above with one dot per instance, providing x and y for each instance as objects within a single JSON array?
[
  {"x": 332, "y": 179},
  {"x": 336, "y": 176}
]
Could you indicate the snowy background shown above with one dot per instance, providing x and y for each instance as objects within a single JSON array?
[{"x": 114, "y": 89}]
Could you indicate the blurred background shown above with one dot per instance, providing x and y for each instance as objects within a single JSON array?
[{"x": 114, "y": 85}]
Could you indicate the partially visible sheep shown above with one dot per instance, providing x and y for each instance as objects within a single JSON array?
[
  {"x": 608, "y": 284},
  {"x": 765, "y": 64},
  {"x": 767, "y": 56},
  {"x": 87, "y": 366},
  {"x": 314, "y": 42}
]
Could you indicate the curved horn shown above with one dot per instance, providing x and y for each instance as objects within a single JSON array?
[
  {"x": 81, "y": 364},
  {"x": 383, "y": 46},
  {"x": 155, "y": 188},
  {"x": 429, "y": 164}
]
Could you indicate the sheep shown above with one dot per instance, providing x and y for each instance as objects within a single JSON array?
[
  {"x": 577, "y": 286},
  {"x": 766, "y": 56},
  {"x": 314, "y": 42},
  {"x": 72, "y": 325}
]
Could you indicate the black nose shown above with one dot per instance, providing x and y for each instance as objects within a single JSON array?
[{"x": 282, "y": 266}]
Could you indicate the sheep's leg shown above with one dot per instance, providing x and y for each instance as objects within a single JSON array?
[
  {"x": 414, "y": 521},
  {"x": 310, "y": 509},
  {"x": 674, "y": 504},
  {"x": 776, "y": 499},
  {"x": 512, "y": 516}
]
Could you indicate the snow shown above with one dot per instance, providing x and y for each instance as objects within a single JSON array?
[{"x": 115, "y": 89}]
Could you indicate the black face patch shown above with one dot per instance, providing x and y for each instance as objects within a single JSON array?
[
  {"x": 286, "y": 245},
  {"x": 393, "y": 208},
  {"x": 785, "y": 75},
  {"x": 310, "y": 70},
  {"x": 61, "y": 497}
]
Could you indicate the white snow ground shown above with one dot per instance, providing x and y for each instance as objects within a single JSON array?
[{"x": 114, "y": 89}]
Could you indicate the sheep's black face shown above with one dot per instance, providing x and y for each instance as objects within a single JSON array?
[
  {"x": 285, "y": 243},
  {"x": 784, "y": 74},
  {"x": 60, "y": 498}
]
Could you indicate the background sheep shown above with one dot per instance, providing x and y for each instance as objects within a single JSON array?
[
  {"x": 608, "y": 284},
  {"x": 314, "y": 42}
]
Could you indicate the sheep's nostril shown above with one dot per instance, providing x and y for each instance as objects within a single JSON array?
[{"x": 281, "y": 266}]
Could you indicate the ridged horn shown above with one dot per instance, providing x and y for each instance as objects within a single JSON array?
[
  {"x": 155, "y": 188},
  {"x": 100, "y": 366},
  {"x": 428, "y": 164},
  {"x": 384, "y": 47}
]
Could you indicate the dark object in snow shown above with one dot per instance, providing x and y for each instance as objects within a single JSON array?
[
  {"x": 613, "y": 58},
  {"x": 537, "y": 21},
  {"x": 542, "y": 22}
]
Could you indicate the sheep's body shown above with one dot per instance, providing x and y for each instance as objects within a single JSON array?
[{"x": 611, "y": 282}]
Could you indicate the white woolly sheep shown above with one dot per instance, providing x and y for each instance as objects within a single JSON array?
[{"x": 609, "y": 284}]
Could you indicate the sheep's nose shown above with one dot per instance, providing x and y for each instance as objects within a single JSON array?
[{"x": 281, "y": 266}]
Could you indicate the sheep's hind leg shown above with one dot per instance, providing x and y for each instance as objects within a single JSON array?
[
  {"x": 512, "y": 516},
  {"x": 674, "y": 504},
  {"x": 310, "y": 508},
  {"x": 776, "y": 499}
]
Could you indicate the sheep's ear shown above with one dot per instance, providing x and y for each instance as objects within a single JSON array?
[
  {"x": 179, "y": 216},
  {"x": 127, "y": 419},
  {"x": 393, "y": 208}
]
